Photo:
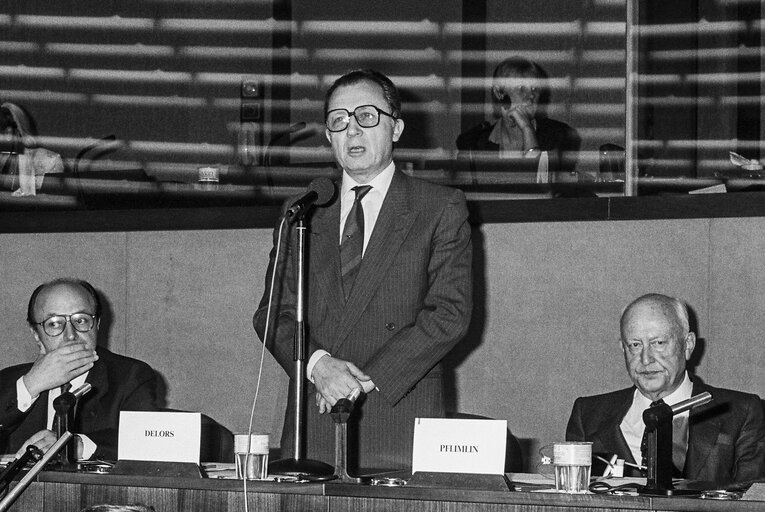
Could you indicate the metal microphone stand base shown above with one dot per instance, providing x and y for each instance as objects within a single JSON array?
[
  {"x": 300, "y": 467},
  {"x": 63, "y": 467},
  {"x": 667, "y": 492}
]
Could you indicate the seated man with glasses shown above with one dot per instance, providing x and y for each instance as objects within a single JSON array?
[{"x": 64, "y": 317}]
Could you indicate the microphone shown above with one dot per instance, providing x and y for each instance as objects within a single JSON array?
[
  {"x": 692, "y": 402},
  {"x": 278, "y": 136},
  {"x": 661, "y": 414},
  {"x": 65, "y": 400},
  {"x": 320, "y": 192},
  {"x": 344, "y": 407}
]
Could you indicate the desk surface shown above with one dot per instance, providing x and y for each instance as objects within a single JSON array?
[{"x": 70, "y": 492}]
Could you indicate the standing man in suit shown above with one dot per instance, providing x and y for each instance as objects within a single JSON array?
[
  {"x": 722, "y": 441},
  {"x": 379, "y": 322},
  {"x": 64, "y": 316}
]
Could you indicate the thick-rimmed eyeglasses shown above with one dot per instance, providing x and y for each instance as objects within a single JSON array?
[
  {"x": 368, "y": 116},
  {"x": 55, "y": 325}
]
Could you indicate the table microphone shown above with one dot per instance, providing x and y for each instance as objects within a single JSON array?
[
  {"x": 345, "y": 405},
  {"x": 694, "y": 401}
]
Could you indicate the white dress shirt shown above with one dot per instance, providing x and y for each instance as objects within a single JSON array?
[{"x": 372, "y": 201}]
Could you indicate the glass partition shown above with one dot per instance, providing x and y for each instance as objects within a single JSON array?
[
  {"x": 185, "y": 103},
  {"x": 700, "y": 96}
]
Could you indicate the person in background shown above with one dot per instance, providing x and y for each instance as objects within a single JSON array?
[
  {"x": 389, "y": 289},
  {"x": 64, "y": 316},
  {"x": 20, "y": 152},
  {"x": 518, "y": 92},
  {"x": 722, "y": 441}
]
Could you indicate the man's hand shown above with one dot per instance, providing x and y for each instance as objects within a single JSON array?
[
  {"x": 58, "y": 367},
  {"x": 522, "y": 115},
  {"x": 335, "y": 379},
  {"x": 44, "y": 439}
]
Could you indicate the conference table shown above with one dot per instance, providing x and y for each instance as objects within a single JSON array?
[{"x": 70, "y": 492}]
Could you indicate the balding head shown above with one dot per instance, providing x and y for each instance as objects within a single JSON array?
[{"x": 657, "y": 342}]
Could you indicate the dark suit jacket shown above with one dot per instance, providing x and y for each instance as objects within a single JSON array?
[
  {"x": 119, "y": 383},
  {"x": 410, "y": 305},
  {"x": 726, "y": 439},
  {"x": 559, "y": 139}
]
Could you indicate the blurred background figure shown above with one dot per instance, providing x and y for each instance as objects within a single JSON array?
[
  {"x": 521, "y": 129},
  {"x": 20, "y": 152}
]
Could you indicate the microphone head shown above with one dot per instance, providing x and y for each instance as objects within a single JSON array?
[{"x": 324, "y": 188}]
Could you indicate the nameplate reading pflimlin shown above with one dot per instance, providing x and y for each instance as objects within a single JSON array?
[
  {"x": 159, "y": 436},
  {"x": 459, "y": 446}
]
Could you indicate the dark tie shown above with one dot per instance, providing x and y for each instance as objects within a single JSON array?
[
  {"x": 644, "y": 442},
  {"x": 352, "y": 244},
  {"x": 66, "y": 387}
]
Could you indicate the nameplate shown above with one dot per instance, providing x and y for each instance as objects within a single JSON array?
[
  {"x": 159, "y": 436},
  {"x": 459, "y": 446}
]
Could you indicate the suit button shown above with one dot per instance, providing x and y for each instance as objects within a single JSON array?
[{"x": 390, "y": 326}]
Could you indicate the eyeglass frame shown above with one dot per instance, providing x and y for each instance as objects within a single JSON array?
[
  {"x": 353, "y": 114},
  {"x": 68, "y": 319}
]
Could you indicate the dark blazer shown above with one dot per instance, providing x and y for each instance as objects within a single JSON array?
[
  {"x": 411, "y": 303},
  {"x": 558, "y": 138},
  {"x": 726, "y": 437},
  {"x": 119, "y": 384}
]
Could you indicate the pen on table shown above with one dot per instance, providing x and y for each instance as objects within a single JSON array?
[{"x": 613, "y": 459}]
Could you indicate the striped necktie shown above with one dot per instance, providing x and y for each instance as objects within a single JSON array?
[{"x": 352, "y": 243}]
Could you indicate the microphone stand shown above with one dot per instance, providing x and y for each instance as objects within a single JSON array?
[
  {"x": 14, "y": 493},
  {"x": 64, "y": 405},
  {"x": 270, "y": 147},
  {"x": 31, "y": 453},
  {"x": 297, "y": 465},
  {"x": 341, "y": 413},
  {"x": 658, "y": 428}
]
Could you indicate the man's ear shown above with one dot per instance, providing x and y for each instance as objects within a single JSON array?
[
  {"x": 327, "y": 135},
  {"x": 39, "y": 342},
  {"x": 690, "y": 344},
  {"x": 398, "y": 128},
  {"x": 497, "y": 92}
]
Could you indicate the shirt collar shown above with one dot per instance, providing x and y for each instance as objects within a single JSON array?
[
  {"x": 379, "y": 183},
  {"x": 683, "y": 392}
]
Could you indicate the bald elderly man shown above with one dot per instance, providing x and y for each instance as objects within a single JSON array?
[{"x": 722, "y": 441}]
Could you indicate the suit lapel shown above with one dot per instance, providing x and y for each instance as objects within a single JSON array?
[
  {"x": 611, "y": 435},
  {"x": 89, "y": 405},
  {"x": 702, "y": 435},
  {"x": 393, "y": 224},
  {"x": 325, "y": 255}
]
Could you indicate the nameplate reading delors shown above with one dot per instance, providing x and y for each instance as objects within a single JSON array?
[
  {"x": 159, "y": 436},
  {"x": 459, "y": 446}
]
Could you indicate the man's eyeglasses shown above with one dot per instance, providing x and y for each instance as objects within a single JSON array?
[
  {"x": 368, "y": 116},
  {"x": 55, "y": 325}
]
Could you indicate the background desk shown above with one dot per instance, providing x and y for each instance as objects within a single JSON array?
[{"x": 64, "y": 492}]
